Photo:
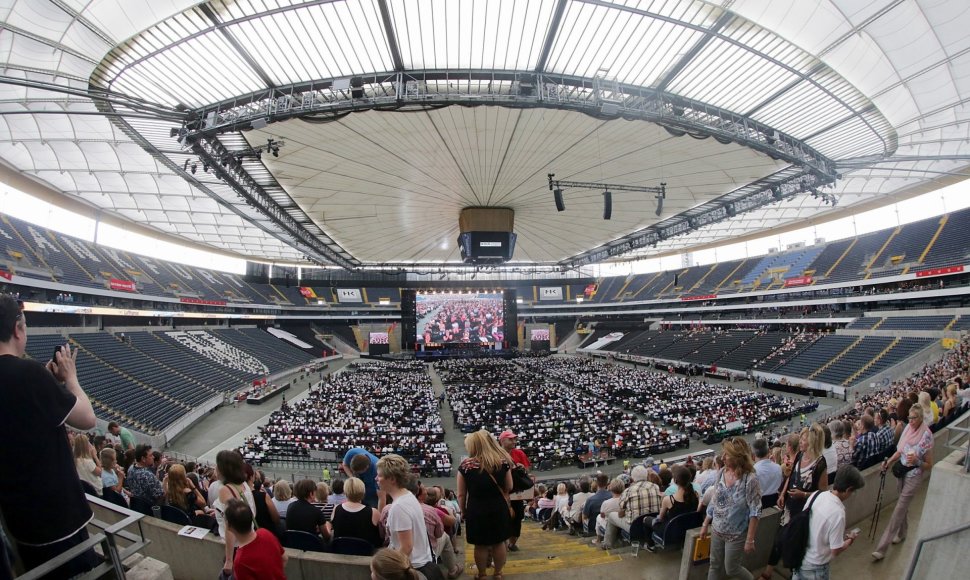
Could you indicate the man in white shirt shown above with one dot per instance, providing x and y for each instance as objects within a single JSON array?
[
  {"x": 826, "y": 528},
  {"x": 407, "y": 532},
  {"x": 769, "y": 474}
]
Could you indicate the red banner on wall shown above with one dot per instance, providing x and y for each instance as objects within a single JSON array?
[
  {"x": 307, "y": 292},
  {"x": 123, "y": 285},
  {"x": 590, "y": 291},
  {"x": 799, "y": 281},
  {"x": 939, "y": 271},
  {"x": 202, "y": 301},
  {"x": 704, "y": 297},
  {"x": 6, "y": 275}
]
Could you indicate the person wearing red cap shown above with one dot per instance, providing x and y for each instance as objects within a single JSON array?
[{"x": 509, "y": 440}]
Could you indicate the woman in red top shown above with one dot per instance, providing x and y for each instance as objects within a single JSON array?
[
  {"x": 259, "y": 555},
  {"x": 509, "y": 441}
]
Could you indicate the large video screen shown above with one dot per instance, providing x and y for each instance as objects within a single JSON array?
[{"x": 459, "y": 318}]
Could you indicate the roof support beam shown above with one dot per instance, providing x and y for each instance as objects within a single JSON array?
[
  {"x": 686, "y": 59},
  {"x": 391, "y": 37},
  {"x": 550, "y": 36}
]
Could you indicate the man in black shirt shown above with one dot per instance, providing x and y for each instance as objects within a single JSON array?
[
  {"x": 303, "y": 516},
  {"x": 41, "y": 496}
]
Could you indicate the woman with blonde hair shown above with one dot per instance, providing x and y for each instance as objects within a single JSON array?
[
  {"x": 915, "y": 452},
  {"x": 180, "y": 493},
  {"x": 354, "y": 519},
  {"x": 87, "y": 463},
  {"x": 112, "y": 475},
  {"x": 733, "y": 513},
  {"x": 282, "y": 497},
  {"x": 484, "y": 483},
  {"x": 809, "y": 474},
  {"x": 388, "y": 564}
]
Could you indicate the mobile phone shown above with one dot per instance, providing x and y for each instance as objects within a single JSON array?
[
  {"x": 57, "y": 349},
  {"x": 854, "y": 532}
]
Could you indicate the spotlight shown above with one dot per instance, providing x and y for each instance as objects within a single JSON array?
[
  {"x": 205, "y": 167},
  {"x": 225, "y": 161},
  {"x": 185, "y": 166},
  {"x": 660, "y": 204},
  {"x": 276, "y": 151},
  {"x": 557, "y": 195},
  {"x": 776, "y": 192},
  {"x": 194, "y": 167},
  {"x": 259, "y": 154},
  {"x": 607, "y": 205}
]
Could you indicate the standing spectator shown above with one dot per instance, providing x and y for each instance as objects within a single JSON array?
[
  {"x": 406, "y": 530},
  {"x": 87, "y": 463},
  {"x": 809, "y": 474},
  {"x": 121, "y": 435},
  {"x": 915, "y": 452},
  {"x": 232, "y": 475},
  {"x": 733, "y": 512},
  {"x": 484, "y": 481},
  {"x": 642, "y": 497},
  {"x": 141, "y": 479},
  {"x": 830, "y": 454},
  {"x": 826, "y": 526},
  {"x": 353, "y": 519},
  {"x": 362, "y": 464},
  {"x": 303, "y": 516},
  {"x": 35, "y": 405},
  {"x": 769, "y": 473},
  {"x": 259, "y": 555},
  {"x": 843, "y": 449},
  {"x": 510, "y": 442}
]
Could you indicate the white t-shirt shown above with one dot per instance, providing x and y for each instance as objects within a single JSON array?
[
  {"x": 831, "y": 456},
  {"x": 406, "y": 514},
  {"x": 826, "y": 529}
]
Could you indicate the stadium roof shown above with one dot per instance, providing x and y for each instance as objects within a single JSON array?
[{"x": 389, "y": 116}]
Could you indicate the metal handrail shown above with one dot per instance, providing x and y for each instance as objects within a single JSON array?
[
  {"x": 108, "y": 538},
  {"x": 923, "y": 541}
]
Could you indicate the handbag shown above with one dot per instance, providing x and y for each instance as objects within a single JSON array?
[
  {"x": 504, "y": 496},
  {"x": 900, "y": 470},
  {"x": 521, "y": 480}
]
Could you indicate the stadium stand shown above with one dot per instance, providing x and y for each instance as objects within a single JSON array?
[
  {"x": 791, "y": 348},
  {"x": 342, "y": 332},
  {"x": 753, "y": 350},
  {"x": 812, "y": 359},
  {"x": 168, "y": 355},
  {"x": 916, "y": 322},
  {"x": 905, "y": 249},
  {"x": 865, "y": 323},
  {"x": 952, "y": 244},
  {"x": 275, "y": 354},
  {"x": 721, "y": 345},
  {"x": 686, "y": 345}
]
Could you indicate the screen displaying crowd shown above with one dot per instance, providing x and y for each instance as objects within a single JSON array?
[
  {"x": 554, "y": 422},
  {"x": 698, "y": 408},
  {"x": 459, "y": 318},
  {"x": 384, "y": 407}
]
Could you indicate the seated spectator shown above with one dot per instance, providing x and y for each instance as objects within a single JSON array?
[
  {"x": 608, "y": 507},
  {"x": 112, "y": 475},
  {"x": 577, "y": 502},
  {"x": 684, "y": 500},
  {"x": 303, "y": 516},
  {"x": 388, "y": 564},
  {"x": 180, "y": 493},
  {"x": 353, "y": 519},
  {"x": 266, "y": 515},
  {"x": 259, "y": 555},
  {"x": 141, "y": 479},
  {"x": 867, "y": 444},
  {"x": 321, "y": 500},
  {"x": 591, "y": 508},
  {"x": 282, "y": 497},
  {"x": 560, "y": 505},
  {"x": 337, "y": 496},
  {"x": 87, "y": 463},
  {"x": 641, "y": 498}
]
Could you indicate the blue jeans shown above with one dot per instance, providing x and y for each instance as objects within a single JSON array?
[{"x": 812, "y": 573}]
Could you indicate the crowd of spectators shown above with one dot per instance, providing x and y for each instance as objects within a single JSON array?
[
  {"x": 697, "y": 408},
  {"x": 454, "y": 319},
  {"x": 554, "y": 423},
  {"x": 384, "y": 407}
]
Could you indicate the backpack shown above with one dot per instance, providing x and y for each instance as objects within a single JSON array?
[{"x": 794, "y": 536}]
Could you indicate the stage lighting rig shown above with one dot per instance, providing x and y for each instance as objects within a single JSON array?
[{"x": 557, "y": 186}]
